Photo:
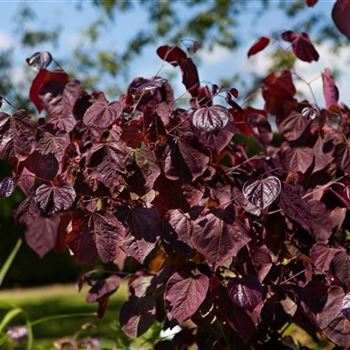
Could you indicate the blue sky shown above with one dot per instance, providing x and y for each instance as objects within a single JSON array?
[{"x": 213, "y": 65}]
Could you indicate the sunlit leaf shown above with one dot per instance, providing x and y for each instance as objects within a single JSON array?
[
  {"x": 262, "y": 193},
  {"x": 210, "y": 119}
]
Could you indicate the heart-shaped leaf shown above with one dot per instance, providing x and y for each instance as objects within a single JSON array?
[
  {"x": 210, "y": 119},
  {"x": 263, "y": 192},
  {"x": 52, "y": 199}
]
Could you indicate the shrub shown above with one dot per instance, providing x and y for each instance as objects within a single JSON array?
[{"x": 232, "y": 248}]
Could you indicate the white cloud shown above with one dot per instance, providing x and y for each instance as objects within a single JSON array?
[
  {"x": 6, "y": 41},
  {"x": 217, "y": 55}
]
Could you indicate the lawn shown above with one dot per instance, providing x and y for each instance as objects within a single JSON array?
[{"x": 63, "y": 300}]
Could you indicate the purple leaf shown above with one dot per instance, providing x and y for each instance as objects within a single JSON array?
[
  {"x": 184, "y": 294},
  {"x": 60, "y": 106},
  {"x": 17, "y": 134},
  {"x": 102, "y": 114},
  {"x": 295, "y": 207},
  {"x": 322, "y": 256},
  {"x": 108, "y": 235},
  {"x": 341, "y": 267},
  {"x": 80, "y": 241},
  {"x": 108, "y": 162},
  {"x": 235, "y": 316},
  {"x": 332, "y": 320},
  {"x": 322, "y": 159},
  {"x": 330, "y": 90},
  {"x": 245, "y": 292},
  {"x": 150, "y": 85},
  {"x": 194, "y": 157},
  {"x": 218, "y": 237},
  {"x": 51, "y": 199},
  {"x": 103, "y": 288},
  {"x": 39, "y": 60},
  {"x": 137, "y": 315},
  {"x": 294, "y": 126},
  {"x": 44, "y": 166},
  {"x": 54, "y": 144},
  {"x": 138, "y": 248},
  {"x": 146, "y": 162},
  {"x": 7, "y": 187},
  {"x": 261, "y": 260},
  {"x": 262, "y": 193},
  {"x": 210, "y": 119},
  {"x": 41, "y": 234},
  {"x": 298, "y": 159},
  {"x": 178, "y": 231}
]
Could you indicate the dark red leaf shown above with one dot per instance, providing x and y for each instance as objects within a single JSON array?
[
  {"x": 108, "y": 234},
  {"x": 324, "y": 220},
  {"x": 245, "y": 292},
  {"x": 342, "y": 156},
  {"x": 294, "y": 126},
  {"x": 332, "y": 320},
  {"x": 236, "y": 317},
  {"x": 262, "y": 193},
  {"x": 171, "y": 54},
  {"x": 261, "y": 260},
  {"x": 330, "y": 90},
  {"x": 44, "y": 82},
  {"x": 147, "y": 164},
  {"x": 44, "y": 166},
  {"x": 103, "y": 288},
  {"x": 60, "y": 105},
  {"x": 210, "y": 119},
  {"x": 298, "y": 159},
  {"x": 322, "y": 159},
  {"x": 341, "y": 267},
  {"x": 137, "y": 315},
  {"x": 341, "y": 16},
  {"x": 17, "y": 135},
  {"x": 218, "y": 237},
  {"x": 52, "y": 198},
  {"x": 138, "y": 248},
  {"x": 108, "y": 162},
  {"x": 190, "y": 76},
  {"x": 184, "y": 294},
  {"x": 41, "y": 234},
  {"x": 302, "y": 46},
  {"x": 102, "y": 114},
  {"x": 322, "y": 256},
  {"x": 178, "y": 232},
  {"x": 258, "y": 46},
  {"x": 193, "y": 155},
  {"x": 311, "y": 3},
  {"x": 79, "y": 239},
  {"x": 295, "y": 207}
]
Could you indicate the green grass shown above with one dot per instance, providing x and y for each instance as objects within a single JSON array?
[{"x": 50, "y": 301}]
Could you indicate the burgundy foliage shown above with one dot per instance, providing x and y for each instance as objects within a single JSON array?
[
  {"x": 301, "y": 45},
  {"x": 258, "y": 46},
  {"x": 341, "y": 16},
  {"x": 229, "y": 247}
]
